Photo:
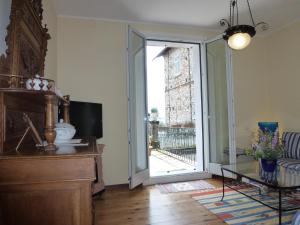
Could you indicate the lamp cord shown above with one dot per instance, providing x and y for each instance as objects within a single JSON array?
[
  {"x": 237, "y": 13},
  {"x": 251, "y": 13},
  {"x": 230, "y": 16}
]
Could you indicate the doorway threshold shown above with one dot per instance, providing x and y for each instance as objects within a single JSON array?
[
  {"x": 163, "y": 165},
  {"x": 181, "y": 177}
]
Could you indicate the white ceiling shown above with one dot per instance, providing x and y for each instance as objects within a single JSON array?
[{"x": 201, "y": 13}]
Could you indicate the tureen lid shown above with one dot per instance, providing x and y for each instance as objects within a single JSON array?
[{"x": 63, "y": 125}]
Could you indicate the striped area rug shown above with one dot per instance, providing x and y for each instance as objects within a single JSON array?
[{"x": 238, "y": 209}]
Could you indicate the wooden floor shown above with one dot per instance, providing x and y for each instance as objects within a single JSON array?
[{"x": 146, "y": 205}]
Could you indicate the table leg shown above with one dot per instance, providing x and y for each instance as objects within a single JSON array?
[
  {"x": 223, "y": 178},
  {"x": 280, "y": 207}
]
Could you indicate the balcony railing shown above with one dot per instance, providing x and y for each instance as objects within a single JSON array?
[
  {"x": 178, "y": 143},
  {"x": 187, "y": 155}
]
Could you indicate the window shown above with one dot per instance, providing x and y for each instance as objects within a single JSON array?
[{"x": 177, "y": 65}]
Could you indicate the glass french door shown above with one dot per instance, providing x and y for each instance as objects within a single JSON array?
[
  {"x": 219, "y": 109},
  {"x": 138, "y": 141}
]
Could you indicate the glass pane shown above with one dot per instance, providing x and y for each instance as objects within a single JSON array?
[
  {"x": 281, "y": 177},
  {"x": 5, "y": 6},
  {"x": 217, "y": 98},
  {"x": 139, "y": 138}
]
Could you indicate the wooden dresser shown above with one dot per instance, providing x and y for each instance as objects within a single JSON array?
[{"x": 48, "y": 188}]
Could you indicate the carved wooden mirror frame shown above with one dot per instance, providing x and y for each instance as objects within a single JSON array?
[
  {"x": 25, "y": 57},
  {"x": 27, "y": 43}
]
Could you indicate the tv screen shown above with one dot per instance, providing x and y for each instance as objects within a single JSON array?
[{"x": 87, "y": 119}]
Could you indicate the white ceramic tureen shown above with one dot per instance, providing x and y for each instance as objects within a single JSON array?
[{"x": 64, "y": 132}]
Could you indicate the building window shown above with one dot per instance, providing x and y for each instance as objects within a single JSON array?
[{"x": 177, "y": 65}]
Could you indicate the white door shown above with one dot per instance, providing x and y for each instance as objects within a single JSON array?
[
  {"x": 137, "y": 104},
  {"x": 219, "y": 132}
]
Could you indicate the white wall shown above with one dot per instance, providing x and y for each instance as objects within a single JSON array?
[
  {"x": 267, "y": 79},
  {"x": 284, "y": 76},
  {"x": 92, "y": 67},
  {"x": 251, "y": 90}
]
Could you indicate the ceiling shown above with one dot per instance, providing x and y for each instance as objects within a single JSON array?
[{"x": 200, "y": 13}]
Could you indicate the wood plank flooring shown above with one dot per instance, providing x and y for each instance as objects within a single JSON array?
[{"x": 147, "y": 206}]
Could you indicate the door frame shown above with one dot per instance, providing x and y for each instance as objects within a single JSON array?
[
  {"x": 214, "y": 168},
  {"x": 200, "y": 172},
  {"x": 208, "y": 168},
  {"x": 135, "y": 179}
]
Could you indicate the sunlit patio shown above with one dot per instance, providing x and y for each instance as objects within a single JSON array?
[{"x": 162, "y": 164}]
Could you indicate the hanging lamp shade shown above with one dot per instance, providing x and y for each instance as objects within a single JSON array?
[
  {"x": 239, "y": 41},
  {"x": 239, "y": 36}
]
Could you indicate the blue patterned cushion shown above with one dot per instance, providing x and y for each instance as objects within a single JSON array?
[
  {"x": 292, "y": 165},
  {"x": 291, "y": 141}
]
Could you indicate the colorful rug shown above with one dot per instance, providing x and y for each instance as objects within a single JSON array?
[
  {"x": 184, "y": 186},
  {"x": 238, "y": 209}
]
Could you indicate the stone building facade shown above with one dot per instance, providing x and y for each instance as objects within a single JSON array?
[{"x": 179, "y": 87}]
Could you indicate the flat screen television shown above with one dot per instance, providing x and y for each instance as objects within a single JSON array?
[{"x": 86, "y": 117}]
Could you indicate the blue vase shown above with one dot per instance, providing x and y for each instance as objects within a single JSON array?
[
  {"x": 268, "y": 126},
  {"x": 269, "y": 165}
]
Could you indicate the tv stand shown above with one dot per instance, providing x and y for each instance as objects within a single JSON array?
[{"x": 99, "y": 185}]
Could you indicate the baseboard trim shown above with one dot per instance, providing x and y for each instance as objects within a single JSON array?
[{"x": 178, "y": 178}]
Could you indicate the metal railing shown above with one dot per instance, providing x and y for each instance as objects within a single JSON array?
[
  {"x": 179, "y": 143},
  {"x": 187, "y": 155}
]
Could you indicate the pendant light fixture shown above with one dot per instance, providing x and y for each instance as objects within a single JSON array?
[{"x": 239, "y": 36}]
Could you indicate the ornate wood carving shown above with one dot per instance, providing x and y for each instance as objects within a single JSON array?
[
  {"x": 28, "y": 58},
  {"x": 12, "y": 106},
  {"x": 37, "y": 6},
  {"x": 25, "y": 57},
  {"x": 26, "y": 40}
]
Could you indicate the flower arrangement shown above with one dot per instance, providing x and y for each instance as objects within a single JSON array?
[{"x": 267, "y": 146}]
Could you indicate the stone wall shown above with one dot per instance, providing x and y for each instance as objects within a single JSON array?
[{"x": 179, "y": 87}]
